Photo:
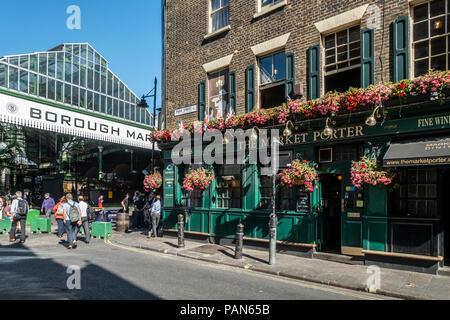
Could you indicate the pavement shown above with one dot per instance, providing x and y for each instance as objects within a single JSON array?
[{"x": 394, "y": 283}]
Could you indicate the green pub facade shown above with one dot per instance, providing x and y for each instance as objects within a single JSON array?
[{"x": 233, "y": 65}]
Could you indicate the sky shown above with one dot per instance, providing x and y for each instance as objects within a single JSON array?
[{"x": 126, "y": 33}]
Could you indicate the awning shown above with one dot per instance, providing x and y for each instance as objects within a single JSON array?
[{"x": 418, "y": 153}]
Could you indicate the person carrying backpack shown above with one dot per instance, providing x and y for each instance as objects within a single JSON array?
[
  {"x": 59, "y": 216},
  {"x": 19, "y": 211},
  {"x": 72, "y": 216}
]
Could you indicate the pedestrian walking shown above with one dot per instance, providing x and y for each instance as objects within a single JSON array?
[
  {"x": 156, "y": 215},
  {"x": 126, "y": 204},
  {"x": 58, "y": 210},
  {"x": 84, "y": 208},
  {"x": 5, "y": 210},
  {"x": 19, "y": 211},
  {"x": 47, "y": 205},
  {"x": 139, "y": 207},
  {"x": 72, "y": 217}
]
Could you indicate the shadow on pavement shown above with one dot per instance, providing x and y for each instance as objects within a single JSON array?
[{"x": 26, "y": 276}]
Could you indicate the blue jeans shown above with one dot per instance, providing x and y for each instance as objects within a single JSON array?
[
  {"x": 61, "y": 227},
  {"x": 71, "y": 232},
  {"x": 139, "y": 219}
]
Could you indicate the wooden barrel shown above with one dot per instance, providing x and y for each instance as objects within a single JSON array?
[{"x": 122, "y": 222}]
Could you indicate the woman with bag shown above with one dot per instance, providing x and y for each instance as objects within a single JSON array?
[
  {"x": 58, "y": 210},
  {"x": 5, "y": 210}
]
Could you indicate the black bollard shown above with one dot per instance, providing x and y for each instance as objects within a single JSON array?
[
  {"x": 239, "y": 241},
  {"x": 180, "y": 231}
]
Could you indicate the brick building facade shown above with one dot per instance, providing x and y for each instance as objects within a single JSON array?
[{"x": 190, "y": 45}]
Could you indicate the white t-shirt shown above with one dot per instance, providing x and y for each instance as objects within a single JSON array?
[{"x": 83, "y": 208}]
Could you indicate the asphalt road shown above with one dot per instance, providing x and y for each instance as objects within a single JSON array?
[{"x": 38, "y": 270}]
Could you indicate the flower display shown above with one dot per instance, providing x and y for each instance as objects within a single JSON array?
[
  {"x": 300, "y": 173},
  {"x": 152, "y": 182},
  {"x": 368, "y": 171},
  {"x": 433, "y": 83},
  {"x": 198, "y": 179}
]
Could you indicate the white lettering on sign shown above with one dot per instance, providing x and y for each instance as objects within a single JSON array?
[
  {"x": 185, "y": 110},
  {"x": 433, "y": 121}
]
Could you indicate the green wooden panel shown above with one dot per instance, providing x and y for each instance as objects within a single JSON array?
[
  {"x": 376, "y": 200},
  {"x": 232, "y": 94},
  {"x": 375, "y": 234},
  {"x": 249, "y": 186},
  {"x": 201, "y": 100},
  {"x": 223, "y": 224},
  {"x": 367, "y": 57},
  {"x": 290, "y": 74},
  {"x": 250, "y": 88},
  {"x": 170, "y": 218},
  {"x": 169, "y": 185},
  {"x": 352, "y": 232},
  {"x": 314, "y": 72},
  {"x": 401, "y": 48},
  {"x": 197, "y": 221}
]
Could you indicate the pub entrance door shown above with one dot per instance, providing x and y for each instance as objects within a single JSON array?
[{"x": 331, "y": 197}]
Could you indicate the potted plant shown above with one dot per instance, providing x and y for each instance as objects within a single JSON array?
[
  {"x": 301, "y": 173},
  {"x": 368, "y": 171},
  {"x": 153, "y": 182},
  {"x": 198, "y": 179}
]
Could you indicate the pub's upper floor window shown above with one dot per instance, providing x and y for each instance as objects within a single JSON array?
[
  {"x": 219, "y": 14},
  {"x": 272, "y": 79},
  {"x": 266, "y": 3},
  {"x": 343, "y": 60},
  {"x": 431, "y": 33}
]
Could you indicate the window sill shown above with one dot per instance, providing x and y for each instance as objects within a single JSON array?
[
  {"x": 217, "y": 32},
  {"x": 269, "y": 9}
]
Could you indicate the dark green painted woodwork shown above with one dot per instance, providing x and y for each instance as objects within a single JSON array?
[
  {"x": 201, "y": 100},
  {"x": 375, "y": 223},
  {"x": 290, "y": 74},
  {"x": 232, "y": 93},
  {"x": 249, "y": 88},
  {"x": 169, "y": 186},
  {"x": 314, "y": 72},
  {"x": 401, "y": 48},
  {"x": 367, "y": 58}
]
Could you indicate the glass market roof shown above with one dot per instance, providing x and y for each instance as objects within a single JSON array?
[{"x": 73, "y": 74}]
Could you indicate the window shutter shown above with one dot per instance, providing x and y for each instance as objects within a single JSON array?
[
  {"x": 201, "y": 100},
  {"x": 314, "y": 72},
  {"x": 401, "y": 48},
  {"x": 367, "y": 57},
  {"x": 249, "y": 88},
  {"x": 290, "y": 74},
  {"x": 232, "y": 94}
]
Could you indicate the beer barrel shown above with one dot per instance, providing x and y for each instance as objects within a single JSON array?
[{"x": 122, "y": 222}]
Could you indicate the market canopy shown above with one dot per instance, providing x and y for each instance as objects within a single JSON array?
[{"x": 418, "y": 153}]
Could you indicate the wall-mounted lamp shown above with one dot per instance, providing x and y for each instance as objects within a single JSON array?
[
  {"x": 254, "y": 135},
  {"x": 372, "y": 119},
  {"x": 287, "y": 132},
  {"x": 438, "y": 25},
  {"x": 328, "y": 131}
]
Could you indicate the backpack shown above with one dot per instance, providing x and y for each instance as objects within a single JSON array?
[
  {"x": 22, "y": 208},
  {"x": 91, "y": 213},
  {"x": 73, "y": 213}
]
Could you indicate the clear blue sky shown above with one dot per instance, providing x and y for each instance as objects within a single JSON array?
[{"x": 127, "y": 33}]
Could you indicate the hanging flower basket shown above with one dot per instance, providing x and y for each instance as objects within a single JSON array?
[
  {"x": 152, "y": 182},
  {"x": 198, "y": 179},
  {"x": 301, "y": 173},
  {"x": 367, "y": 171}
]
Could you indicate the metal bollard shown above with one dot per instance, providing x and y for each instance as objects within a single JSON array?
[
  {"x": 273, "y": 224},
  {"x": 180, "y": 231},
  {"x": 239, "y": 241}
]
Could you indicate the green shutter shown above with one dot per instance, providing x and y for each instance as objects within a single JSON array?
[
  {"x": 232, "y": 95},
  {"x": 250, "y": 88},
  {"x": 401, "y": 48},
  {"x": 201, "y": 100},
  {"x": 367, "y": 57},
  {"x": 314, "y": 72},
  {"x": 290, "y": 74}
]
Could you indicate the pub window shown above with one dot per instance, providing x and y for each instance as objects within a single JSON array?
[
  {"x": 272, "y": 80},
  {"x": 416, "y": 196},
  {"x": 229, "y": 187},
  {"x": 191, "y": 199},
  {"x": 348, "y": 152},
  {"x": 266, "y": 190},
  {"x": 220, "y": 14},
  {"x": 268, "y": 3},
  {"x": 218, "y": 94},
  {"x": 343, "y": 60},
  {"x": 431, "y": 33}
]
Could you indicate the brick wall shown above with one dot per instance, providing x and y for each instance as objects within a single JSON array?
[{"x": 187, "y": 50}]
